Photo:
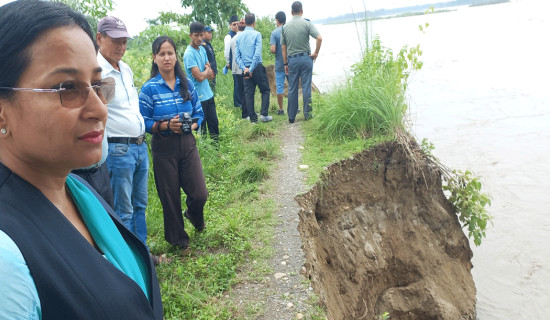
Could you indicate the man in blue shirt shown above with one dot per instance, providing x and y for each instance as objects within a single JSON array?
[
  {"x": 248, "y": 55},
  {"x": 199, "y": 71},
  {"x": 275, "y": 42}
]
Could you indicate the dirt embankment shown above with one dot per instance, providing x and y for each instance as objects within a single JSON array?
[{"x": 380, "y": 236}]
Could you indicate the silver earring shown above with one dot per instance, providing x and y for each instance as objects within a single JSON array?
[{"x": 3, "y": 131}]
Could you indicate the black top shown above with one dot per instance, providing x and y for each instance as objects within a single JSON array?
[
  {"x": 211, "y": 55},
  {"x": 73, "y": 280}
]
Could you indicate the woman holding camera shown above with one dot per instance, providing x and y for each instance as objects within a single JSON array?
[
  {"x": 64, "y": 254},
  {"x": 168, "y": 101}
]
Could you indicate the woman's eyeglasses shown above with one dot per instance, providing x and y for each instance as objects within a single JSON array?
[{"x": 74, "y": 93}]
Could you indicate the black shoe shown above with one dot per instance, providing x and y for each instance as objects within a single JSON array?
[
  {"x": 280, "y": 112},
  {"x": 291, "y": 121}
]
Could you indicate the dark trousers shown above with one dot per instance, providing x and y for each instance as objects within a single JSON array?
[
  {"x": 237, "y": 97},
  {"x": 210, "y": 118},
  {"x": 259, "y": 78},
  {"x": 299, "y": 68},
  {"x": 240, "y": 79},
  {"x": 176, "y": 164},
  {"x": 99, "y": 179}
]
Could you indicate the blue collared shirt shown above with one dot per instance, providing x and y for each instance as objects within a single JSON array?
[
  {"x": 158, "y": 102},
  {"x": 248, "y": 49}
]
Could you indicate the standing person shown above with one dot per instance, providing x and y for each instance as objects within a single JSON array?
[
  {"x": 128, "y": 160},
  {"x": 198, "y": 69},
  {"x": 207, "y": 38},
  {"x": 248, "y": 54},
  {"x": 237, "y": 72},
  {"x": 229, "y": 56},
  {"x": 64, "y": 254},
  {"x": 298, "y": 59},
  {"x": 280, "y": 75},
  {"x": 166, "y": 98}
]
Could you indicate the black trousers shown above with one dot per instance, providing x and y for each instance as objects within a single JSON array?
[
  {"x": 210, "y": 118},
  {"x": 239, "y": 78},
  {"x": 259, "y": 78},
  {"x": 177, "y": 164},
  {"x": 99, "y": 179}
]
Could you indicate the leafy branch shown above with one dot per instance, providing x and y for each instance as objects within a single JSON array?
[{"x": 469, "y": 203}]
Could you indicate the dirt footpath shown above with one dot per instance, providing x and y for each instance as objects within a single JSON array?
[{"x": 285, "y": 293}]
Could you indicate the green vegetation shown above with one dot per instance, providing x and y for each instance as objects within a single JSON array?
[
  {"x": 469, "y": 202},
  {"x": 465, "y": 196}
]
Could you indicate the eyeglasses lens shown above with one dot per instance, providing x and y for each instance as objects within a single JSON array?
[{"x": 75, "y": 93}]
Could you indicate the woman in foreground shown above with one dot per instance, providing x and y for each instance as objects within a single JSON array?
[
  {"x": 164, "y": 101},
  {"x": 63, "y": 253}
]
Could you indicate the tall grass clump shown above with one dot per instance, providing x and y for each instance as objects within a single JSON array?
[{"x": 372, "y": 103}]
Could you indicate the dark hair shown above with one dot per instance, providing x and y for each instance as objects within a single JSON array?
[
  {"x": 296, "y": 7},
  {"x": 281, "y": 16},
  {"x": 21, "y": 23},
  {"x": 196, "y": 27},
  {"x": 249, "y": 19},
  {"x": 233, "y": 19},
  {"x": 178, "y": 71}
]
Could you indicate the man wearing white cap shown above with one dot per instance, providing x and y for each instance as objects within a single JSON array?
[{"x": 128, "y": 160}]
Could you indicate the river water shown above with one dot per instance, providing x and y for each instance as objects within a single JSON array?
[{"x": 483, "y": 99}]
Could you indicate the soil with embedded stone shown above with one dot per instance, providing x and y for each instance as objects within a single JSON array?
[{"x": 380, "y": 236}]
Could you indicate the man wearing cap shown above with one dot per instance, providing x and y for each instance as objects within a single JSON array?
[
  {"x": 248, "y": 55},
  {"x": 128, "y": 160},
  {"x": 206, "y": 39},
  {"x": 298, "y": 59},
  {"x": 228, "y": 54}
]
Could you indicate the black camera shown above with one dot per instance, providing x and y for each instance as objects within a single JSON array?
[{"x": 186, "y": 123}]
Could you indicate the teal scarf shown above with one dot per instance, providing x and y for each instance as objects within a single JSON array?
[{"x": 121, "y": 254}]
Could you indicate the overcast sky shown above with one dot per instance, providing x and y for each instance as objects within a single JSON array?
[{"x": 135, "y": 12}]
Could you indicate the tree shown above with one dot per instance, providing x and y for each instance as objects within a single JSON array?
[
  {"x": 215, "y": 12},
  {"x": 94, "y": 10}
]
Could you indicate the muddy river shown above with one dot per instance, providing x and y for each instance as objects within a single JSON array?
[{"x": 483, "y": 99}]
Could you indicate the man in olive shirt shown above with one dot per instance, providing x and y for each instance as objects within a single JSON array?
[{"x": 298, "y": 59}]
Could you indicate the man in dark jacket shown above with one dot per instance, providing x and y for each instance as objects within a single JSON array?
[{"x": 206, "y": 38}]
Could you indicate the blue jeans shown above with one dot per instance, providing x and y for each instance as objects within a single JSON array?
[
  {"x": 280, "y": 81},
  {"x": 129, "y": 167},
  {"x": 299, "y": 68}
]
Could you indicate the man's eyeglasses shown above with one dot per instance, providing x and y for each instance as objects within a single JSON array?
[
  {"x": 74, "y": 93},
  {"x": 234, "y": 24}
]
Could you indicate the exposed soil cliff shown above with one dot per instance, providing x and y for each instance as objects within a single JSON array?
[{"x": 380, "y": 236}]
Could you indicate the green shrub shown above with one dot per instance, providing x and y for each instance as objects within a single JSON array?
[{"x": 372, "y": 103}]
